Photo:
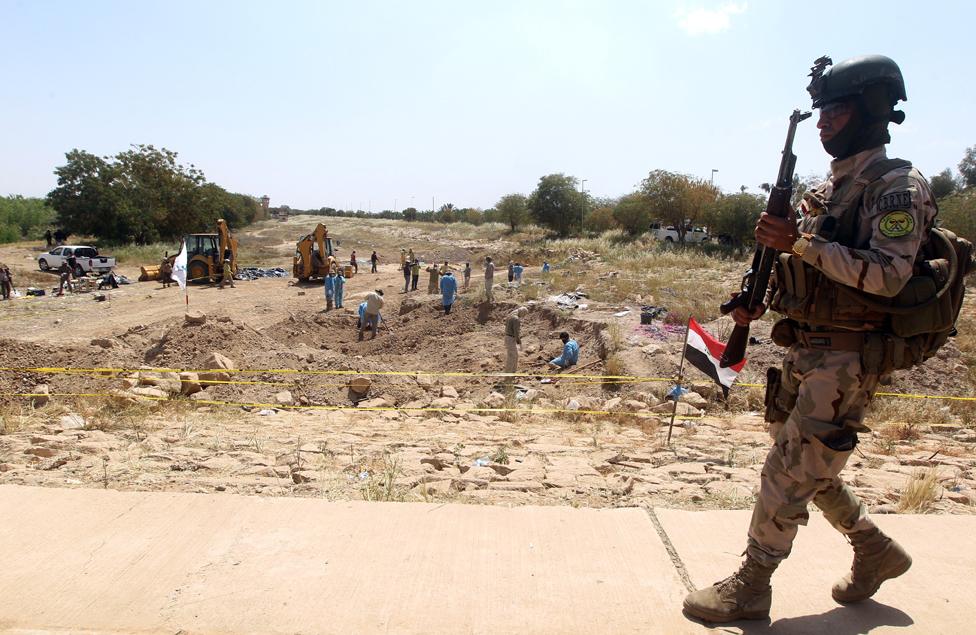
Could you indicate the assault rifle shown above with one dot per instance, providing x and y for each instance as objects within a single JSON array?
[{"x": 756, "y": 280}]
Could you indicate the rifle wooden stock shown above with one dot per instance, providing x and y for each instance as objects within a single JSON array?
[{"x": 735, "y": 350}]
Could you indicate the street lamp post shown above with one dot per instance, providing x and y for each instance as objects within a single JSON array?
[
  {"x": 582, "y": 203},
  {"x": 711, "y": 181}
]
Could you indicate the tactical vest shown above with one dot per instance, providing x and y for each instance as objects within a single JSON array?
[{"x": 892, "y": 333}]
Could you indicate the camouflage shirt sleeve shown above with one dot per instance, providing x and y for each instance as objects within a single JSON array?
[{"x": 895, "y": 219}]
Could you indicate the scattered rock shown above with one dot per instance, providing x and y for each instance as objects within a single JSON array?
[
  {"x": 442, "y": 402},
  {"x": 190, "y": 383},
  {"x": 379, "y": 402},
  {"x": 632, "y": 405},
  {"x": 42, "y": 395},
  {"x": 360, "y": 384},
  {"x": 6, "y": 467},
  {"x": 572, "y": 404},
  {"x": 683, "y": 409},
  {"x": 695, "y": 400},
  {"x": 425, "y": 381},
  {"x": 494, "y": 400},
  {"x": 148, "y": 391},
  {"x": 612, "y": 404},
  {"x": 303, "y": 476},
  {"x": 41, "y": 452},
  {"x": 284, "y": 398},
  {"x": 410, "y": 304},
  {"x": 195, "y": 317},
  {"x": 217, "y": 362},
  {"x": 449, "y": 391},
  {"x": 72, "y": 421},
  {"x": 102, "y": 342}
]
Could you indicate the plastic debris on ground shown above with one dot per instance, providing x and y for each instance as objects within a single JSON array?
[
  {"x": 569, "y": 300},
  {"x": 650, "y": 313},
  {"x": 482, "y": 462},
  {"x": 266, "y": 411},
  {"x": 660, "y": 331},
  {"x": 621, "y": 313},
  {"x": 253, "y": 273},
  {"x": 677, "y": 392}
]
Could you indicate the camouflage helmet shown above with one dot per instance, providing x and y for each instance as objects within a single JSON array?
[{"x": 851, "y": 77}]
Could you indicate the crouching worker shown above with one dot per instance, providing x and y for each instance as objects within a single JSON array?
[
  {"x": 570, "y": 353},
  {"x": 370, "y": 319},
  {"x": 108, "y": 280}
]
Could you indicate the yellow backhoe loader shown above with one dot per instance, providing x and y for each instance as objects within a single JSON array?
[
  {"x": 315, "y": 256},
  {"x": 205, "y": 256}
]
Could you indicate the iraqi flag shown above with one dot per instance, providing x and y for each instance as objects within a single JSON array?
[{"x": 704, "y": 352}]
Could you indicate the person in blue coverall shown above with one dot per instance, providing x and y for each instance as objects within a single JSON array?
[
  {"x": 448, "y": 291},
  {"x": 329, "y": 290},
  {"x": 570, "y": 352},
  {"x": 340, "y": 283}
]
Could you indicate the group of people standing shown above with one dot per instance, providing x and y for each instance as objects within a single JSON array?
[{"x": 335, "y": 284}]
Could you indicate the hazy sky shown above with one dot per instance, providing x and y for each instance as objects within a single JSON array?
[{"x": 362, "y": 104}]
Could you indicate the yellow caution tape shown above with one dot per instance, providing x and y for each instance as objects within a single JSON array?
[{"x": 214, "y": 402}]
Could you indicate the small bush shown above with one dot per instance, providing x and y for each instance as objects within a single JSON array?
[{"x": 920, "y": 493}]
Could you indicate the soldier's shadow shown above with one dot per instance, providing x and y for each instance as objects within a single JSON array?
[{"x": 843, "y": 620}]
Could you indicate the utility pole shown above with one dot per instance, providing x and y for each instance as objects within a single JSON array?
[
  {"x": 711, "y": 181},
  {"x": 582, "y": 203}
]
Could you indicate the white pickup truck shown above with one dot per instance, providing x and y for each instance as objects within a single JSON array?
[
  {"x": 86, "y": 259},
  {"x": 670, "y": 234}
]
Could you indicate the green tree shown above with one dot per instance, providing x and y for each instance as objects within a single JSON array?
[
  {"x": 677, "y": 199},
  {"x": 957, "y": 212},
  {"x": 943, "y": 184},
  {"x": 141, "y": 195},
  {"x": 473, "y": 216},
  {"x": 512, "y": 209},
  {"x": 85, "y": 198},
  {"x": 633, "y": 213},
  {"x": 410, "y": 214},
  {"x": 733, "y": 217},
  {"x": 446, "y": 213},
  {"x": 22, "y": 218},
  {"x": 556, "y": 203},
  {"x": 600, "y": 220},
  {"x": 967, "y": 167}
]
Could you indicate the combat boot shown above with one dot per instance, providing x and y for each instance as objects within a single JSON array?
[
  {"x": 744, "y": 595},
  {"x": 876, "y": 558}
]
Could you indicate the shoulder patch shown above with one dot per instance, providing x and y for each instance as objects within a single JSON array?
[
  {"x": 895, "y": 201},
  {"x": 896, "y": 224}
]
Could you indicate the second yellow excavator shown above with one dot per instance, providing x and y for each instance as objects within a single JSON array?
[{"x": 315, "y": 256}]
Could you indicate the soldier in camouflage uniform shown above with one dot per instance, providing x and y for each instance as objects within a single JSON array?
[{"x": 861, "y": 230}]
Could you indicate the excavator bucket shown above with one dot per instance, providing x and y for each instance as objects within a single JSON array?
[{"x": 148, "y": 272}]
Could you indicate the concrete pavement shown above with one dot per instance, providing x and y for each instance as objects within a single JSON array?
[{"x": 98, "y": 561}]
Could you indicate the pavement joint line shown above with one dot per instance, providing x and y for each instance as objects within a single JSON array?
[{"x": 672, "y": 552}]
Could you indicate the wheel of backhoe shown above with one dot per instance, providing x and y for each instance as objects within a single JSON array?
[{"x": 197, "y": 273}]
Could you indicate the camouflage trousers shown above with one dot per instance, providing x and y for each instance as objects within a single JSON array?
[{"x": 818, "y": 409}]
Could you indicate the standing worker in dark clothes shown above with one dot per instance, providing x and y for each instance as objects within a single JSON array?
[{"x": 414, "y": 274}]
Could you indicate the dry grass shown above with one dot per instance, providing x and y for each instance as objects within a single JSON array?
[
  {"x": 614, "y": 366},
  {"x": 884, "y": 413},
  {"x": 382, "y": 485},
  {"x": 16, "y": 417},
  {"x": 920, "y": 493}
]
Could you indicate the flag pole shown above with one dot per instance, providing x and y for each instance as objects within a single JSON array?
[{"x": 681, "y": 368}]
